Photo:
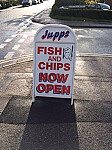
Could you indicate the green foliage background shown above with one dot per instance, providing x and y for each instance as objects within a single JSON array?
[{"x": 9, "y": 3}]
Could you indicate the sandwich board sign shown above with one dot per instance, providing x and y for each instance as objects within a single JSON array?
[{"x": 54, "y": 62}]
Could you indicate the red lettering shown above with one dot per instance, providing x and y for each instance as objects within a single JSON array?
[
  {"x": 58, "y": 58},
  {"x": 59, "y": 65},
  {"x": 52, "y": 77},
  {"x": 45, "y": 50},
  {"x": 50, "y": 50},
  {"x": 57, "y": 89},
  {"x": 54, "y": 58},
  {"x": 42, "y": 77},
  {"x": 39, "y": 49},
  {"x": 40, "y": 88},
  {"x": 58, "y": 51},
  {"x": 66, "y": 89},
  {"x": 50, "y": 58},
  {"x": 49, "y": 66},
  {"x": 66, "y": 66},
  {"x": 40, "y": 65},
  {"x": 54, "y": 66},
  {"x": 62, "y": 78},
  {"x": 49, "y": 87}
]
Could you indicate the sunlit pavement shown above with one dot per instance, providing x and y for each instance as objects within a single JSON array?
[{"x": 53, "y": 123}]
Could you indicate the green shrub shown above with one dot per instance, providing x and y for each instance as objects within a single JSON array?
[
  {"x": 81, "y": 13},
  {"x": 9, "y": 3},
  {"x": 14, "y": 2},
  {"x": 3, "y": 4}
]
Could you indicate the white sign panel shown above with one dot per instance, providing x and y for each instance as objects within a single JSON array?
[{"x": 54, "y": 62}]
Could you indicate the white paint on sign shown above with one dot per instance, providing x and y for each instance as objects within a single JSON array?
[{"x": 54, "y": 62}]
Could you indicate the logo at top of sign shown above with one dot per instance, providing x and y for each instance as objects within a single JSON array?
[
  {"x": 55, "y": 35},
  {"x": 68, "y": 53}
]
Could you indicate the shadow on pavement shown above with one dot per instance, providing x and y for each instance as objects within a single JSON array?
[
  {"x": 51, "y": 125},
  {"x": 18, "y": 21}
]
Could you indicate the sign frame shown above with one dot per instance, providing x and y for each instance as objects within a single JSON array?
[{"x": 37, "y": 40}]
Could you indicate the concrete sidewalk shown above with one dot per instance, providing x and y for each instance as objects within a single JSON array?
[
  {"x": 53, "y": 124},
  {"x": 44, "y": 18}
]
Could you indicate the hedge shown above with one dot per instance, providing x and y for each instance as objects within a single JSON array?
[
  {"x": 82, "y": 13},
  {"x": 10, "y": 3}
]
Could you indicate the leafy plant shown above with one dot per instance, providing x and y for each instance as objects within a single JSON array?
[{"x": 91, "y": 1}]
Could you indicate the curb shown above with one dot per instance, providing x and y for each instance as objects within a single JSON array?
[
  {"x": 10, "y": 62},
  {"x": 6, "y": 9},
  {"x": 77, "y": 24},
  {"x": 92, "y": 26},
  {"x": 94, "y": 55}
]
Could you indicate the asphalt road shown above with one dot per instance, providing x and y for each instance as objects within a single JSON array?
[
  {"x": 94, "y": 41},
  {"x": 17, "y": 33},
  {"x": 13, "y": 19}
]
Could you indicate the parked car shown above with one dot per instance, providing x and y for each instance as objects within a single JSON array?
[
  {"x": 76, "y": 6},
  {"x": 34, "y": 2},
  {"x": 0, "y": 6},
  {"x": 39, "y": 1},
  {"x": 27, "y": 2},
  {"x": 63, "y": 7},
  {"x": 99, "y": 6}
]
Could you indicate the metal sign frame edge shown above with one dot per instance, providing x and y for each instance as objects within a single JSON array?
[{"x": 34, "y": 55}]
